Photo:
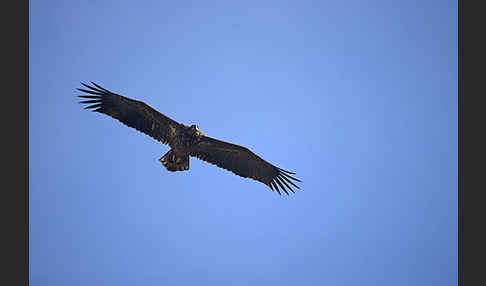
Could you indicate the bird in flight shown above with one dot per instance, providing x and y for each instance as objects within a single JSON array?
[{"x": 186, "y": 140}]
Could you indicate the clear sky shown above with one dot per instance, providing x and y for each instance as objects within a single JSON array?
[{"x": 359, "y": 98}]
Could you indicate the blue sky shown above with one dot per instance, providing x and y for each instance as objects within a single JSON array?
[{"x": 359, "y": 98}]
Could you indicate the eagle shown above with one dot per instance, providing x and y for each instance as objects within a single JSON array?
[{"x": 186, "y": 140}]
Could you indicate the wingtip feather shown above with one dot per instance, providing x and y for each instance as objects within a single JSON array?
[
  {"x": 281, "y": 186},
  {"x": 276, "y": 188},
  {"x": 286, "y": 179},
  {"x": 270, "y": 185},
  {"x": 287, "y": 175},
  {"x": 98, "y": 86},
  {"x": 283, "y": 181},
  {"x": 93, "y": 106},
  {"x": 292, "y": 173}
]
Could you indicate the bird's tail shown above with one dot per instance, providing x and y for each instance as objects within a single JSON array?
[{"x": 173, "y": 163}]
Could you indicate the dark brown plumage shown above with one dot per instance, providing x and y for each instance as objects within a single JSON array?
[{"x": 186, "y": 140}]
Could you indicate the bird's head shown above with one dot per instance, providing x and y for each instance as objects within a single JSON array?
[{"x": 195, "y": 130}]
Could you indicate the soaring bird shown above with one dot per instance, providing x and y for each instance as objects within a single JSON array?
[{"x": 186, "y": 140}]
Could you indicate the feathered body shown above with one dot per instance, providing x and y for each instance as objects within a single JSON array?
[{"x": 186, "y": 140}]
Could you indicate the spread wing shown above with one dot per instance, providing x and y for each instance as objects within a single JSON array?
[
  {"x": 132, "y": 113},
  {"x": 243, "y": 162}
]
